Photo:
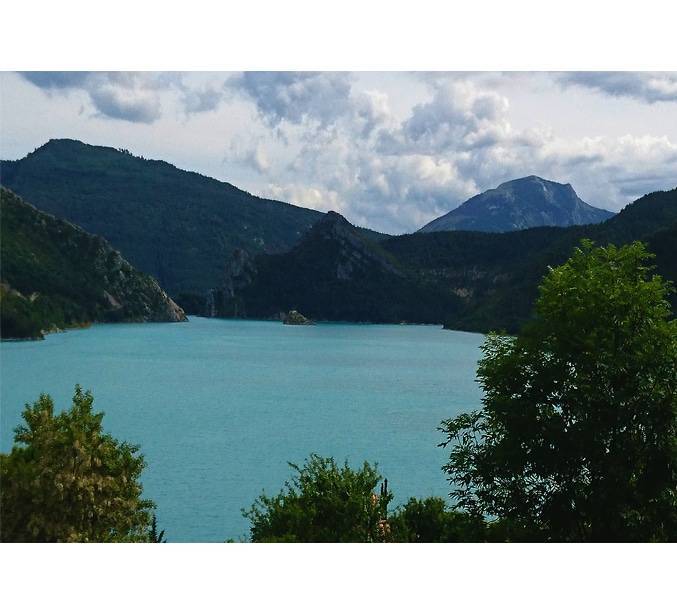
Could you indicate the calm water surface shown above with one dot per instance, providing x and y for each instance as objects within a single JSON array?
[{"x": 220, "y": 406}]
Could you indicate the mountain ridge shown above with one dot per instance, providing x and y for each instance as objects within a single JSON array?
[
  {"x": 177, "y": 225},
  {"x": 56, "y": 275},
  {"x": 335, "y": 273},
  {"x": 204, "y": 237},
  {"x": 519, "y": 204},
  {"x": 466, "y": 280}
]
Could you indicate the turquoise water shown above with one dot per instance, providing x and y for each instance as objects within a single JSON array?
[{"x": 220, "y": 406}]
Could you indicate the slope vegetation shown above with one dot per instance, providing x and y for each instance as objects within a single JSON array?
[
  {"x": 178, "y": 226},
  {"x": 55, "y": 275},
  {"x": 467, "y": 280}
]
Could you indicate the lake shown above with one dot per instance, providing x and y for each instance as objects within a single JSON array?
[{"x": 220, "y": 406}]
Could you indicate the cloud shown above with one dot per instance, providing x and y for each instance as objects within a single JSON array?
[
  {"x": 317, "y": 198},
  {"x": 126, "y": 102},
  {"x": 644, "y": 86},
  {"x": 458, "y": 115},
  {"x": 56, "y": 80},
  {"x": 125, "y": 96},
  {"x": 420, "y": 184},
  {"x": 396, "y": 175},
  {"x": 250, "y": 153},
  {"x": 202, "y": 100},
  {"x": 370, "y": 110},
  {"x": 296, "y": 97}
]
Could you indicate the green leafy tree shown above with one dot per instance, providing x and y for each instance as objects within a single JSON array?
[
  {"x": 66, "y": 480},
  {"x": 323, "y": 502},
  {"x": 430, "y": 520},
  {"x": 576, "y": 439}
]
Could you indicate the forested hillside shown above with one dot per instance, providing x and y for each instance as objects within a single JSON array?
[
  {"x": 224, "y": 252},
  {"x": 466, "y": 280},
  {"x": 179, "y": 227},
  {"x": 55, "y": 275}
]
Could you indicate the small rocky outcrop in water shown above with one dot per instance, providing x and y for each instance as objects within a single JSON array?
[{"x": 294, "y": 317}]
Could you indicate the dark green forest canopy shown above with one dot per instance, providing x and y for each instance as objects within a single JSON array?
[
  {"x": 466, "y": 280},
  {"x": 183, "y": 228},
  {"x": 502, "y": 271},
  {"x": 178, "y": 226}
]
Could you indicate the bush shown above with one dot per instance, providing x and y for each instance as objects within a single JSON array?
[
  {"x": 429, "y": 520},
  {"x": 323, "y": 503}
]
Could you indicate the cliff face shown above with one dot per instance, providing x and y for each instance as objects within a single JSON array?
[
  {"x": 56, "y": 275},
  {"x": 238, "y": 274}
]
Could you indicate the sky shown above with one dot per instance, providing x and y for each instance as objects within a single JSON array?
[{"x": 388, "y": 150}]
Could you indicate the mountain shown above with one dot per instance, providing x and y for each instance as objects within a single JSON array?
[
  {"x": 336, "y": 272},
  {"x": 179, "y": 227},
  {"x": 520, "y": 204},
  {"x": 499, "y": 273},
  {"x": 55, "y": 275},
  {"x": 467, "y": 280},
  {"x": 232, "y": 254}
]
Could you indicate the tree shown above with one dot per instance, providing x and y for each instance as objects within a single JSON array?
[
  {"x": 429, "y": 520},
  {"x": 577, "y": 436},
  {"x": 323, "y": 503},
  {"x": 155, "y": 536},
  {"x": 66, "y": 480}
]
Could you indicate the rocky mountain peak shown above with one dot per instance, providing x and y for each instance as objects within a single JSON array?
[{"x": 520, "y": 204}]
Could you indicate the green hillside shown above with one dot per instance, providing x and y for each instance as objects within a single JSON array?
[
  {"x": 224, "y": 252},
  {"x": 55, "y": 275},
  {"x": 178, "y": 226}
]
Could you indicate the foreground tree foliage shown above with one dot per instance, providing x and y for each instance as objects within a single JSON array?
[
  {"x": 66, "y": 480},
  {"x": 430, "y": 520},
  {"x": 577, "y": 437},
  {"x": 323, "y": 502}
]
